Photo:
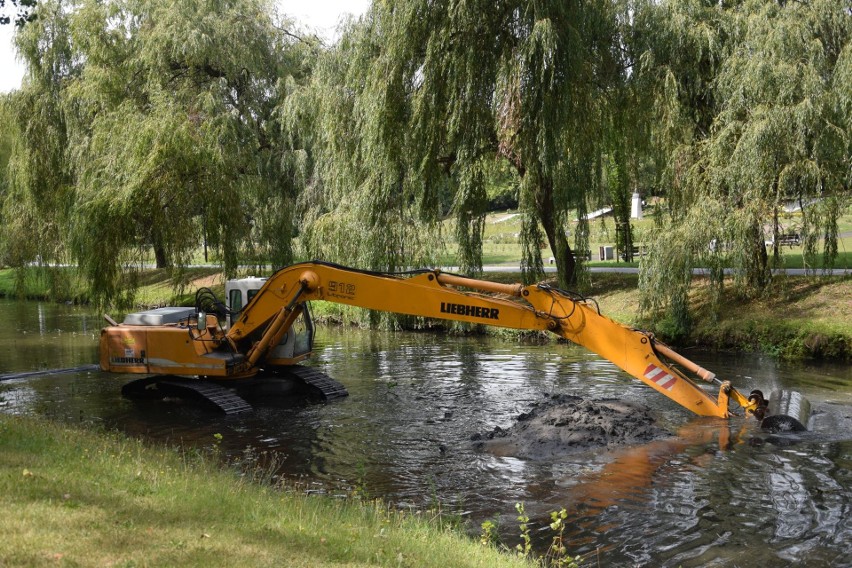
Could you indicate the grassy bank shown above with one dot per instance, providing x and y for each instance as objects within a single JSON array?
[
  {"x": 797, "y": 318},
  {"x": 77, "y": 498}
]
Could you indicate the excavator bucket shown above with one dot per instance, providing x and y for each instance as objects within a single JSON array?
[
  {"x": 785, "y": 411},
  {"x": 788, "y": 411}
]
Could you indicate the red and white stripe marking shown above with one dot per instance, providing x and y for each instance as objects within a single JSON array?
[{"x": 660, "y": 377}]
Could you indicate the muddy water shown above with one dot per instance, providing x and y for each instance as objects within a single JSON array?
[{"x": 717, "y": 493}]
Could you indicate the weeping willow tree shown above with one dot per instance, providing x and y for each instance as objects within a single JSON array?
[
  {"x": 150, "y": 125},
  {"x": 36, "y": 204},
  {"x": 10, "y": 136},
  {"x": 752, "y": 115},
  {"x": 779, "y": 136},
  {"x": 427, "y": 95},
  {"x": 364, "y": 204},
  {"x": 684, "y": 43},
  {"x": 177, "y": 144}
]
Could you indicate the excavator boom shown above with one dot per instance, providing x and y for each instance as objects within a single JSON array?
[{"x": 246, "y": 346}]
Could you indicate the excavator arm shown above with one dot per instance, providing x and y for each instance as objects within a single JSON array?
[{"x": 435, "y": 294}]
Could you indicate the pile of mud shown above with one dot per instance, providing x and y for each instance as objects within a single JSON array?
[{"x": 568, "y": 424}]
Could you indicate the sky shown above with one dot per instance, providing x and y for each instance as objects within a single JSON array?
[{"x": 319, "y": 16}]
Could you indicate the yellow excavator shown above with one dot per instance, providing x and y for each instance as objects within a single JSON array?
[{"x": 266, "y": 333}]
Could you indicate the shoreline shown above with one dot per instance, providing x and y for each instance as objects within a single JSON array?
[{"x": 801, "y": 318}]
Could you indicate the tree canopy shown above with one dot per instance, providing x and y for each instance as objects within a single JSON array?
[
  {"x": 159, "y": 130},
  {"x": 754, "y": 112},
  {"x": 439, "y": 91},
  {"x": 147, "y": 129}
]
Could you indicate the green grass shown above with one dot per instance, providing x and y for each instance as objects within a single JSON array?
[
  {"x": 42, "y": 283},
  {"x": 793, "y": 257},
  {"x": 501, "y": 242},
  {"x": 156, "y": 286},
  {"x": 76, "y": 498},
  {"x": 797, "y": 318}
]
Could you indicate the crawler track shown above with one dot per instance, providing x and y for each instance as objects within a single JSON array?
[
  {"x": 318, "y": 382},
  {"x": 228, "y": 397},
  {"x": 217, "y": 395}
]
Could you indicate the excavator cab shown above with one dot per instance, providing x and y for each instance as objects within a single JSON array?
[
  {"x": 296, "y": 345},
  {"x": 238, "y": 293}
]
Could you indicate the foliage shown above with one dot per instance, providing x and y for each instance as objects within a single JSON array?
[
  {"x": 152, "y": 125},
  {"x": 22, "y": 12},
  {"x": 489, "y": 536},
  {"x": 524, "y": 548},
  {"x": 9, "y": 137},
  {"x": 752, "y": 103},
  {"x": 556, "y": 554},
  {"x": 418, "y": 114},
  {"x": 363, "y": 206},
  {"x": 201, "y": 85},
  {"x": 146, "y": 130},
  {"x": 501, "y": 186},
  {"x": 39, "y": 189}
]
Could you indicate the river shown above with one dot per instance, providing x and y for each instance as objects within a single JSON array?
[{"x": 716, "y": 493}]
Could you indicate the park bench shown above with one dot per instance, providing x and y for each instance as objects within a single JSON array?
[
  {"x": 790, "y": 239},
  {"x": 585, "y": 255},
  {"x": 636, "y": 252}
]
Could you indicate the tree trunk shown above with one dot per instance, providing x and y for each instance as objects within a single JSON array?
[
  {"x": 623, "y": 230},
  {"x": 776, "y": 237},
  {"x": 758, "y": 272},
  {"x": 160, "y": 254},
  {"x": 566, "y": 264}
]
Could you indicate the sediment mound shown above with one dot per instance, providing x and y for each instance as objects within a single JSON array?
[{"x": 567, "y": 424}]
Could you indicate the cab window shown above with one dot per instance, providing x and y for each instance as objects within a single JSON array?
[{"x": 236, "y": 303}]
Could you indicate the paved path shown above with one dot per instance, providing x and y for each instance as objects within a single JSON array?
[{"x": 633, "y": 270}]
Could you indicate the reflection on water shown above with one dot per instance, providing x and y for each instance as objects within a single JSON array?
[{"x": 716, "y": 493}]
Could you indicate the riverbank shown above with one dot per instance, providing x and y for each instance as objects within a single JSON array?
[
  {"x": 798, "y": 318},
  {"x": 83, "y": 498}
]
